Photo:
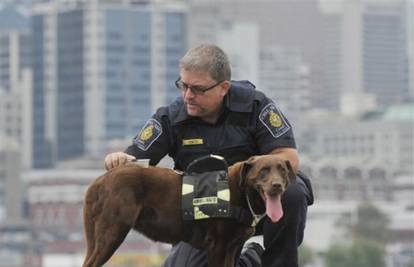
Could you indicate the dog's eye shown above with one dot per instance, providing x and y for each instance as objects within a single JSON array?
[
  {"x": 281, "y": 169},
  {"x": 265, "y": 170},
  {"x": 263, "y": 174}
]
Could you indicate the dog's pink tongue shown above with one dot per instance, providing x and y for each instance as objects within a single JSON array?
[{"x": 274, "y": 208}]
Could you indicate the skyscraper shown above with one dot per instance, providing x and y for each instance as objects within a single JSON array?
[
  {"x": 11, "y": 190},
  {"x": 101, "y": 69},
  {"x": 385, "y": 51},
  {"x": 355, "y": 49},
  {"x": 14, "y": 47},
  {"x": 367, "y": 53},
  {"x": 16, "y": 80},
  {"x": 410, "y": 33},
  {"x": 284, "y": 25}
]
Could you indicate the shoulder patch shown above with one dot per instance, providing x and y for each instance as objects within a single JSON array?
[
  {"x": 274, "y": 121},
  {"x": 149, "y": 133}
]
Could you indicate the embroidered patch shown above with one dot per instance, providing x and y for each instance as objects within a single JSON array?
[
  {"x": 271, "y": 117},
  {"x": 149, "y": 133}
]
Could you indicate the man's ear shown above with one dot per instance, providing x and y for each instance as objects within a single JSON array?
[
  {"x": 244, "y": 170},
  {"x": 225, "y": 87},
  {"x": 291, "y": 173}
]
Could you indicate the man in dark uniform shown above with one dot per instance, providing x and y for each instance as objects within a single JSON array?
[{"x": 231, "y": 119}]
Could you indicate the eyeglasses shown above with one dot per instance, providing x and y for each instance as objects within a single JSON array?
[{"x": 195, "y": 89}]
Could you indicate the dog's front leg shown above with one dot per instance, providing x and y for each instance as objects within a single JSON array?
[
  {"x": 232, "y": 256},
  {"x": 234, "y": 244},
  {"x": 217, "y": 255}
]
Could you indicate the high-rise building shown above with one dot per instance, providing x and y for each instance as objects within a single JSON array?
[
  {"x": 14, "y": 47},
  {"x": 287, "y": 25},
  {"x": 366, "y": 54},
  {"x": 100, "y": 70},
  {"x": 385, "y": 51},
  {"x": 354, "y": 49},
  {"x": 410, "y": 34},
  {"x": 11, "y": 190},
  {"x": 244, "y": 56},
  {"x": 285, "y": 78},
  {"x": 342, "y": 60},
  {"x": 16, "y": 80}
]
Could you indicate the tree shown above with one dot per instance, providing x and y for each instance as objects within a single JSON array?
[
  {"x": 365, "y": 253},
  {"x": 306, "y": 255},
  {"x": 367, "y": 223},
  {"x": 372, "y": 224},
  {"x": 362, "y": 253},
  {"x": 370, "y": 233},
  {"x": 338, "y": 256}
]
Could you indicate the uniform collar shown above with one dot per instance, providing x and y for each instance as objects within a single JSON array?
[
  {"x": 182, "y": 114},
  {"x": 239, "y": 99}
]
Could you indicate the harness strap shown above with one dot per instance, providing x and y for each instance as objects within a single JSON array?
[{"x": 241, "y": 215}]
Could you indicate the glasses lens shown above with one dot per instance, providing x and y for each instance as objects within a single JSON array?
[
  {"x": 183, "y": 87},
  {"x": 194, "y": 88},
  {"x": 197, "y": 89},
  {"x": 180, "y": 85}
]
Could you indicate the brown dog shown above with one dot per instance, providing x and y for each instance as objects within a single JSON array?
[{"x": 149, "y": 201}]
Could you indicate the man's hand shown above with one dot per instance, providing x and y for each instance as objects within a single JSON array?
[{"x": 115, "y": 159}]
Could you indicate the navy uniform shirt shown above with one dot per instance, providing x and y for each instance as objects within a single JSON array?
[{"x": 250, "y": 124}]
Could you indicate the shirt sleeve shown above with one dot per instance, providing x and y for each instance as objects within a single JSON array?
[
  {"x": 153, "y": 141},
  {"x": 273, "y": 130}
]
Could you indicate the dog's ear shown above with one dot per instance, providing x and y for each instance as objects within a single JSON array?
[
  {"x": 244, "y": 170},
  {"x": 291, "y": 173}
]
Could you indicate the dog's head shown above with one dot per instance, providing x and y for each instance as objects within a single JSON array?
[{"x": 269, "y": 175}]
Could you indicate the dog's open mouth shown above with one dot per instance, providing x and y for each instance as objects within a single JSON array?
[{"x": 274, "y": 208}]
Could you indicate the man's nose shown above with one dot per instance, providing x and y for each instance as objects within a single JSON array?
[{"x": 188, "y": 93}]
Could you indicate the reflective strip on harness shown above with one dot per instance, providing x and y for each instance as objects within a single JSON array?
[
  {"x": 204, "y": 201},
  {"x": 187, "y": 189},
  {"x": 224, "y": 194}
]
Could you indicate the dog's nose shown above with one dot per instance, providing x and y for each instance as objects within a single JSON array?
[{"x": 276, "y": 186}]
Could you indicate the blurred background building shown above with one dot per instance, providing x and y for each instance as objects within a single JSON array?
[
  {"x": 78, "y": 78},
  {"x": 93, "y": 65}
]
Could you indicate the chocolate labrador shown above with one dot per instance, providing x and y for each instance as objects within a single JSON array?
[{"x": 149, "y": 201}]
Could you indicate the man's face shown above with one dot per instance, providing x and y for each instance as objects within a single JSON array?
[{"x": 205, "y": 105}]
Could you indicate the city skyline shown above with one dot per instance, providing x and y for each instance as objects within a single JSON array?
[{"x": 79, "y": 79}]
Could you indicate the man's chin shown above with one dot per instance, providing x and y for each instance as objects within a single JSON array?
[{"x": 192, "y": 111}]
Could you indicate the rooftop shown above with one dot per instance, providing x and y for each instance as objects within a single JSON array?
[
  {"x": 13, "y": 19},
  {"x": 402, "y": 112}
]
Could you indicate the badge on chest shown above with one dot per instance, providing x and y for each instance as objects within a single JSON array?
[{"x": 193, "y": 142}]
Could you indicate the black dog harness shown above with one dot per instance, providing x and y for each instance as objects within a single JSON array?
[{"x": 206, "y": 193}]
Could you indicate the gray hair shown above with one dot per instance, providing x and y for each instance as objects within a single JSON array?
[{"x": 207, "y": 58}]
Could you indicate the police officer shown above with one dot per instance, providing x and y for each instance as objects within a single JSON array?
[{"x": 232, "y": 119}]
